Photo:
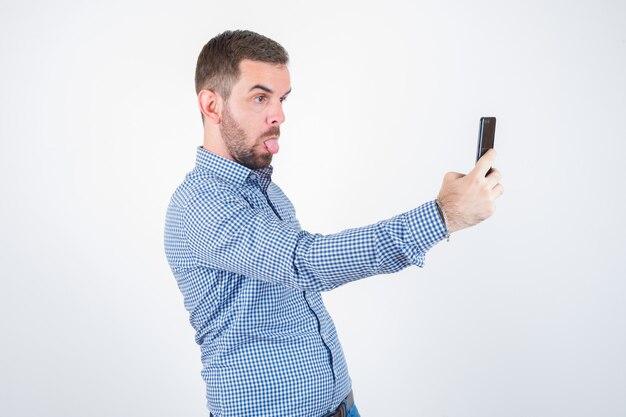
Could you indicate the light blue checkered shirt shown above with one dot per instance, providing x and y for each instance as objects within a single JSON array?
[{"x": 251, "y": 280}]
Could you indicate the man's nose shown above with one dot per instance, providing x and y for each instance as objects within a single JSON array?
[{"x": 276, "y": 115}]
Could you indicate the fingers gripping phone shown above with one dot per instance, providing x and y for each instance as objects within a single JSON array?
[{"x": 486, "y": 135}]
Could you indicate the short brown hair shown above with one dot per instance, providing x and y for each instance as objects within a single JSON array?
[{"x": 218, "y": 63}]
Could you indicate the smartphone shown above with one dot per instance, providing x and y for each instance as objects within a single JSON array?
[{"x": 486, "y": 135}]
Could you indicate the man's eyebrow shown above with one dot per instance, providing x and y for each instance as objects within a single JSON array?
[{"x": 266, "y": 89}]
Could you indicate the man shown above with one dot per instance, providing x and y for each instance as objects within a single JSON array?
[{"x": 250, "y": 276}]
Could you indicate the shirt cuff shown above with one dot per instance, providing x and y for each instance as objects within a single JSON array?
[{"x": 427, "y": 228}]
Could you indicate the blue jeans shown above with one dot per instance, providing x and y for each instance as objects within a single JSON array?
[{"x": 353, "y": 412}]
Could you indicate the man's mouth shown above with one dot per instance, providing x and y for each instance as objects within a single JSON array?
[{"x": 272, "y": 145}]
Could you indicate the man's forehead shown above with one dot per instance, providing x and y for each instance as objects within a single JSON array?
[{"x": 272, "y": 76}]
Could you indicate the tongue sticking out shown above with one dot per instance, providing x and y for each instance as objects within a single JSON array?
[{"x": 272, "y": 146}]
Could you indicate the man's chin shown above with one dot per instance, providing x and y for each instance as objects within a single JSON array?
[
  {"x": 262, "y": 161},
  {"x": 266, "y": 161}
]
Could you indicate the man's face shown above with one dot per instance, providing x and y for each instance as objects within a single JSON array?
[{"x": 253, "y": 114}]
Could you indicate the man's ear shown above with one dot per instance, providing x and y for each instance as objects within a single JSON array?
[{"x": 211, "y": 105}]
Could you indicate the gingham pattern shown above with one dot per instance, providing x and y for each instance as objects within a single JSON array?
[{"x": 251, "y": 280}]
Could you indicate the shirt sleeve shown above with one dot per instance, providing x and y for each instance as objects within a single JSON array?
[{"x": 224, "y": 232}]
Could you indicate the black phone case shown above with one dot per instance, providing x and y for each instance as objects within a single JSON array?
[{"x": 486, "y": 135}]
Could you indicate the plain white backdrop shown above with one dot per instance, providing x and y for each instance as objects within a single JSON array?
[{"x": 524, "y": 315}]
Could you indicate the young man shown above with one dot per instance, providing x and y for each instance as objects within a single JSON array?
[{"x": 250, "y": 276}]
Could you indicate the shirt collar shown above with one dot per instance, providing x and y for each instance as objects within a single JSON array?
[{"x": 231, "y": 171}]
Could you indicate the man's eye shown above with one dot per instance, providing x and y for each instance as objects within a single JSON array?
[
  {"x": 283, "y": 99},
  {"x": 260, "y": 99}
]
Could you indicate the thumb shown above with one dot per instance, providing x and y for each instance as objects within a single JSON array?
[{"x": 484, "y": 163}]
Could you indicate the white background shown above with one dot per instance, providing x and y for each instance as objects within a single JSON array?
[{"x": 524, "y": 315}]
